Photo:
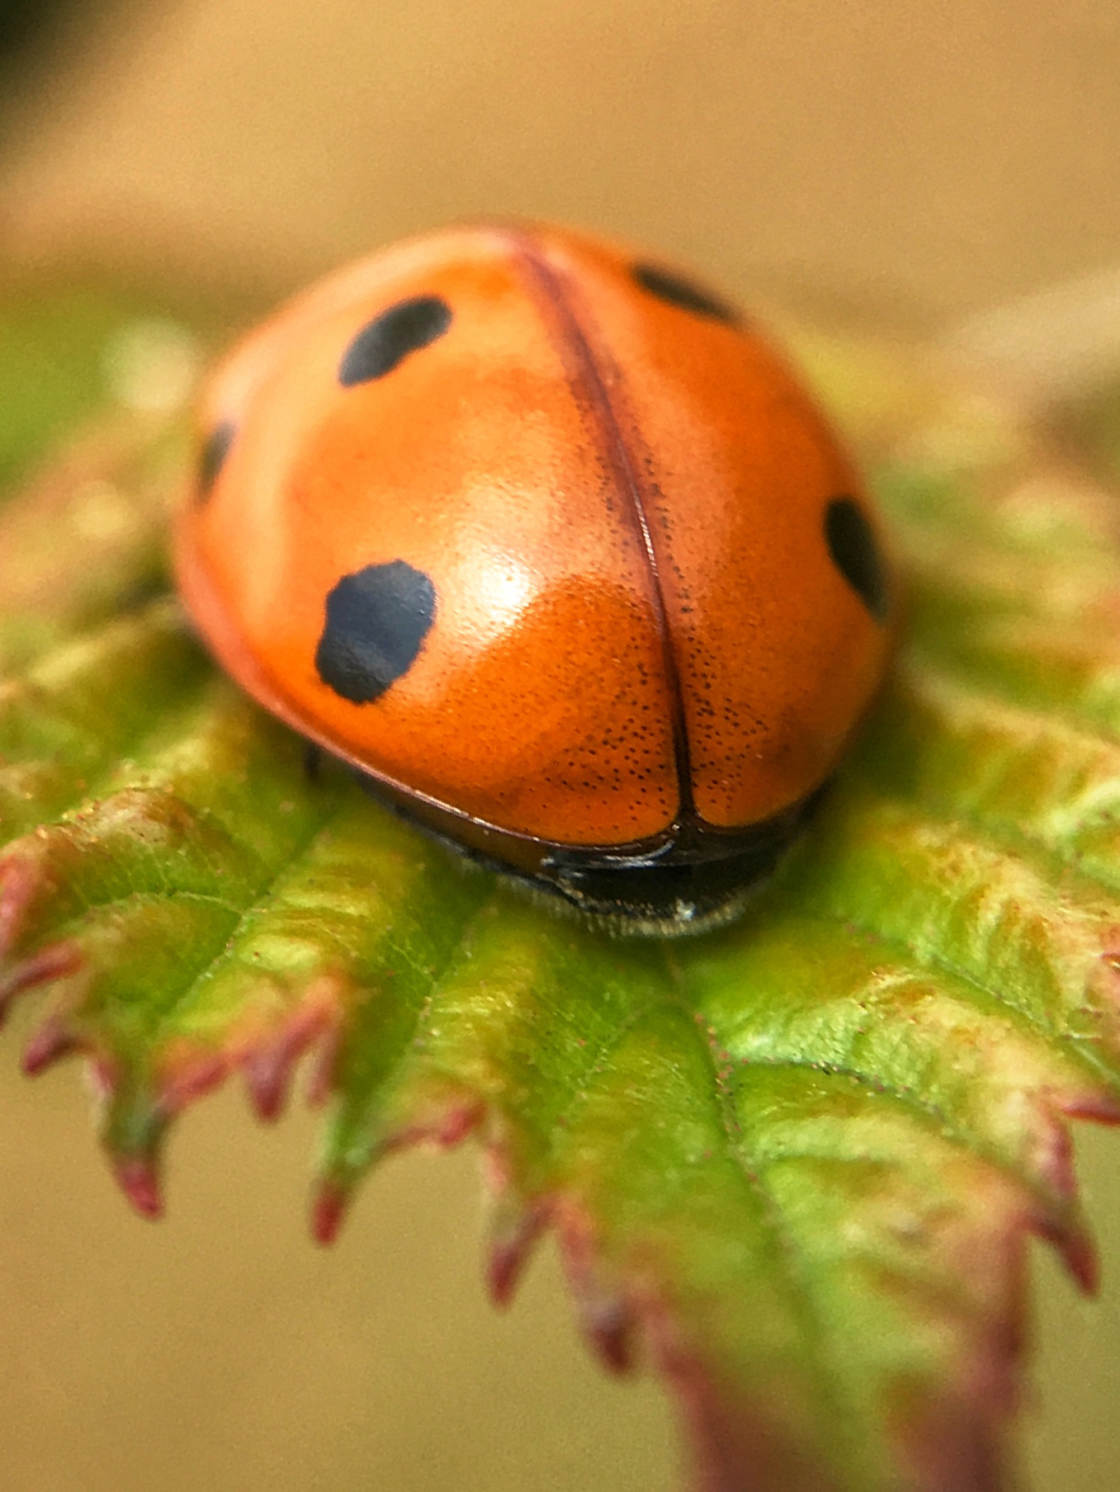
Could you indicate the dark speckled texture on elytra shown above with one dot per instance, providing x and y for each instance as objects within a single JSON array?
[
  {"x": 388, "y": 339},
  {"x": 376, "y": 622},
  {"x": 669, "y": 286},
  {"x": 212, "y": 457},
  {"x": 855, "y": 551}
]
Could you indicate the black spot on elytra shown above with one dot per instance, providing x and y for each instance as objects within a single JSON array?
[
  {"x": 215, "y": 449},
  {"x": 389, "y": 338},
  {"x": 669, "y": 286},
  {"x": 376, "y": 623},
  {"x": 855, "y": 551}
]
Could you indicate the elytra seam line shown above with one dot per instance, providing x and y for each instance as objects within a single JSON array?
[{"x": 587, "y": 381}]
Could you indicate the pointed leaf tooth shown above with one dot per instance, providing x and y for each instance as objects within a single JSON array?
[
  {"x": 604, "y": 1314},
  {"x": 138, "y": 1177},
  {"x": 51, "y": 1041},
  {"x": 329, "y": 1205},
  {"x": 269, "y": 1060},
  {"x": 1066, "y": 1227},
  {"x": 188, "y": 1077},
  {"x": 1100, "y": 1108},
  {"x": 456, "y": 1124},
  {"x": 513, "y": 1229},
  {"x": 354, "y": 1144},
  {"x": 440, "y": 1123},
  {"x": 55, "y": 961},
  {"x": 1076, "y": 1247},
  {"x": 133, "y": 1128},
  {"x": 268, "y": 1075},
  {"x": 607, "y": 1324}
]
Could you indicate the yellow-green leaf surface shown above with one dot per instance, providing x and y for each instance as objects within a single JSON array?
[{"x": 804, "y": 1155}]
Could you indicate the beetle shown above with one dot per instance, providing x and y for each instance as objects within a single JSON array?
[{"x": 544, "y": 540}]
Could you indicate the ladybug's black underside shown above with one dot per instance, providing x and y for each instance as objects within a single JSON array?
[
  {"x": 687, "y": 882},
  {"x": 688, "y": 879}
]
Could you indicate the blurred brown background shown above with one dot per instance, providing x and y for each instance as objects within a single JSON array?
[
  {"x": 952, "y": 155},
  {"x": 928, "y": 160}
]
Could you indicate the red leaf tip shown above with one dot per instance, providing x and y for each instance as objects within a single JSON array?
[
  {"x": 1098, "y": 1108},
  {"x": 52, "y": 1041},
  {"x": 513, "y": 1235},
  {"x": 1080, "y": 1256},
  {"x": 608, "y": 1325},
  {"x": 139, "y": 1180},
  {"x": 605, "y": 1315},
  {"x": 268, "y": 1065},
  {"x": 328, "y": 1209},
  {"x": 49, "y": 963},
  {"x": 268, "y": 1077},
  {"x": 1076, "y": 1248}
]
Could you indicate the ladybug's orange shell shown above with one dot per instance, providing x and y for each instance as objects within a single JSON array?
[{"x": 619, "y": 502}]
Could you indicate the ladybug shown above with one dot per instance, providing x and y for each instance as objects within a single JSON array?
[{"x": 544, "y": 540}]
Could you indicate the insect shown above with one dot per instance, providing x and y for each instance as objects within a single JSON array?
[{"x": 544, "y": 540}]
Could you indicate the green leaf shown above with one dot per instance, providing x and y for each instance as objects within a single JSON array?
[
  {"x": 803, "y": 1155},
  {"x": 70, "y": 352}
]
